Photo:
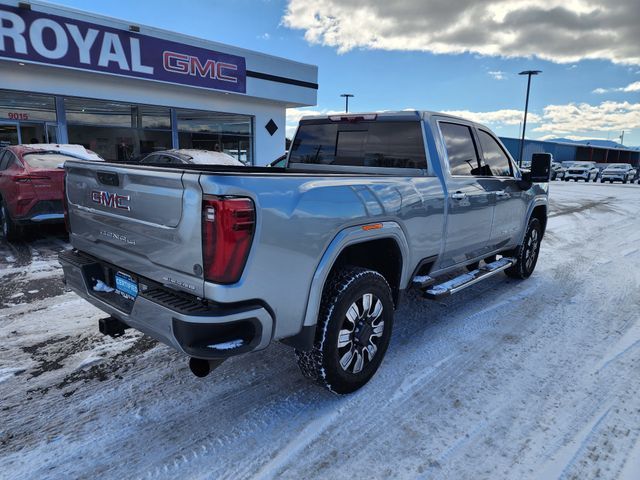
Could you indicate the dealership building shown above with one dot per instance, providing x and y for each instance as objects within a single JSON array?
[{"x": 126, "y": 90}]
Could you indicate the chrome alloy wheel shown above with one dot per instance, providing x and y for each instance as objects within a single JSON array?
[
  {"x": 361, "y": 330},
  {"x": 531, "y": 249}
]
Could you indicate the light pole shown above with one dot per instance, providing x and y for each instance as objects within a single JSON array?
[
  {"x": 621, "y": 137},
  {"x": 346, "y": 96},
  {"x": 529, "y": 73}
]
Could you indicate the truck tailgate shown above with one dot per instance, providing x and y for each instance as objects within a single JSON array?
[{"x": 134, "y": 218}]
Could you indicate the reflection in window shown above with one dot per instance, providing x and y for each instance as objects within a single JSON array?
[
  {"x": 25, "y": 107},
  {"x": 217, "y": 132},
  {"x": 461, "y": 150},
  {"x": 494, "y": 156},
  {"x": 118, "y": 131}
]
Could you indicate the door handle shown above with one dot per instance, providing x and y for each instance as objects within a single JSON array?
[
  {"x": 458, "y": 196},
  {"x": 502, "y": 193}
]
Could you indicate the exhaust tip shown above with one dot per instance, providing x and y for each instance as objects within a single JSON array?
[{"x": 201, "y": 368}]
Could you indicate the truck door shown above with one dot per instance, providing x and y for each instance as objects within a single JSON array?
[
  {"x": 470, "y": 205},
  {"x": 510, "y": 200}
]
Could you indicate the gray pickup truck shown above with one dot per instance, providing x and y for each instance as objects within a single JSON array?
[{"x": 218, "y": 261}]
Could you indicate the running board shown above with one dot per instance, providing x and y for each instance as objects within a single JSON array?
[{"x": 467, "y": 279}]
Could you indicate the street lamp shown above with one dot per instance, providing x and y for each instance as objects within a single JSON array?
[
  {"x": 529, "y": 73},
  {"x": 346, "y": 101}
]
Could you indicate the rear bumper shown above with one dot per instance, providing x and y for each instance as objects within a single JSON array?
[
  {"x": 197, "y": 328},
  {"x": 43, "y": 211},
  {"x": 612, "y": 177}
]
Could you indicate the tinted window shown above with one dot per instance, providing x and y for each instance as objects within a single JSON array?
[
  {"x": 461, "y": 149},
  {"x": 365, "y": 144},
  {"x": 494, "y": 156},
  {"x": 6, "y": 159}
]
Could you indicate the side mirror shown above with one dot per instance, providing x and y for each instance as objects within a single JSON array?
[{"x": 541, "y": 167}]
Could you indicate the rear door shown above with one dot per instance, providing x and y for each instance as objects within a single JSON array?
[
  {"x": 470, "y": 204},
  {"x": 145, "y": 220},
  {"x": 510, "y": 200}
]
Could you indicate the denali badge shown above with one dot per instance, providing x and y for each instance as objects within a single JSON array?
[{"x": 111, "y": 200}]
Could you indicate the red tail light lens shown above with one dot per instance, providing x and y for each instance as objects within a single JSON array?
[{"x": 227, "y": 230}]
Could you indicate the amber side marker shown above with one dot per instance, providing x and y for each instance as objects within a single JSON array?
[{"x": 373, "y": 226}]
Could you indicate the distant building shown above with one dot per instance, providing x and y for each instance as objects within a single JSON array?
[{"x": 573, "y": 151}]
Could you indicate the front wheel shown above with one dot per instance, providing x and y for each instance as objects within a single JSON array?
[
  {"x": 527, "y": 254},
  {"x": 353, "y": 331}
]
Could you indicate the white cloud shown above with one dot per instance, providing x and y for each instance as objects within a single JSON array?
[
  {"x": 557, "y": 30},
  {"x": 632, "y": 87},
  {"x": 264, "y": 36},
  {"x": 568, "y": 120},
  {"x": 496, "y": 117},
  {"x": 583, "y": 117},
  {"x": 497, "y": 74}
]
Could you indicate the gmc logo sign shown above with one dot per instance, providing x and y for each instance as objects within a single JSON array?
[
  {"x": 111, "y": 200},
  {"x": 190, "y": 65}
]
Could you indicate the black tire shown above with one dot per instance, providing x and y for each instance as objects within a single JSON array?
[
  {"x": 10, "y": 230},
  {"x": 602, "y": 180},
  {"x": 343, "y": 305},
  {"x": 527, "y": 254},
  {"x": 624, "y": 181}
]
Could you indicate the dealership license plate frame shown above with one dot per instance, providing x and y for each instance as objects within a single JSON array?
[{"x": 125, "y": 285}]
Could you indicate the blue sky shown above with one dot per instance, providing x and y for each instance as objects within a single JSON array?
[{"x": 372, "y": 62}]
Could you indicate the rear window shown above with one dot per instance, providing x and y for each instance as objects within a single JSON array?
[
  {"x": 45, "y": 161},
  {"x": 365, "y": 144}
]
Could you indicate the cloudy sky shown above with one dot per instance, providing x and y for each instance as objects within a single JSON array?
[{"x": 460, "y": 56}]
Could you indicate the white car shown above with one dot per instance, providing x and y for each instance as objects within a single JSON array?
[
  {"x": 622, "y": 172},
  {"x": 193, "y": 156},
  {"x": 587, "y": 171},
  {"x": 75, "y": 151}
]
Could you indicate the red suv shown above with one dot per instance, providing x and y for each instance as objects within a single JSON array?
[{"x": 31, "y": 186}]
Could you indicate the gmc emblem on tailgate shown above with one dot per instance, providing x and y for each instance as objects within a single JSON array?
[{"x": 111, "y": 200}]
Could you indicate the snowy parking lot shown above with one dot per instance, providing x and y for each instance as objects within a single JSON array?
[{"x": 508, "y": 379}]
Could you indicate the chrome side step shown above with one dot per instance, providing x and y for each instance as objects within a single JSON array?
[{"x": 467, "y": 279}]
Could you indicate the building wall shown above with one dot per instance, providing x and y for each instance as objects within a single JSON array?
[{"x": 566, "y": 152}]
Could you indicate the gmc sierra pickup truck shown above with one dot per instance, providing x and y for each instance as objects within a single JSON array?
[{"x": 217, "y": 261}]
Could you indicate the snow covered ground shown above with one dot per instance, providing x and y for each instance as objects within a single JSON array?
[{"x": 533, "y": 379}]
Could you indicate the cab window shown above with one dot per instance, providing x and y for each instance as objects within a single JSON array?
[
  {"x": 461, "y": 149},
  {"x": 494, "y": 156}
]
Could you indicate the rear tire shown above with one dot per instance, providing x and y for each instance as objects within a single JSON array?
[
  {"x": 527, "y": 254},
  {"x": 10, "y": 230},
  {"x": 353, "y": 331}
]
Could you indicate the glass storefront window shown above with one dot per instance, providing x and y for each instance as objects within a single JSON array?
[
  {"x": 118, "y": 131},
  {"x": 27, "y": 107},
  {"x": 220, "y": 132}
]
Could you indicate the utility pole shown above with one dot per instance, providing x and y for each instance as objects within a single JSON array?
[
  {"x": 622, "y": 138},
  {"x": 529, "y": 73},
  {"x": 346, "y": 96}
]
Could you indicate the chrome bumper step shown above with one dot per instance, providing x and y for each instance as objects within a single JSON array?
[{"x": 465, "y": 280}]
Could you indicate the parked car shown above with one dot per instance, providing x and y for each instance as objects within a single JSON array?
[
  {"x": 222, "y": 261},
  {"x": 587, "y": 171},
  {"x": 31, "y": 182},
  {"x": 190, "y": 156},
  {"x": 557, "y": 171},
  {"x": 622, "y": 172}
]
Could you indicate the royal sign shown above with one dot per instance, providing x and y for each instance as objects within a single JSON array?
[{"x": 36, "y": 37}]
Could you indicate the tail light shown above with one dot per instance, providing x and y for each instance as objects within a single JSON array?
[
  {"x": 29, "y": 178},
  {"x": 227, "y": 230}
]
